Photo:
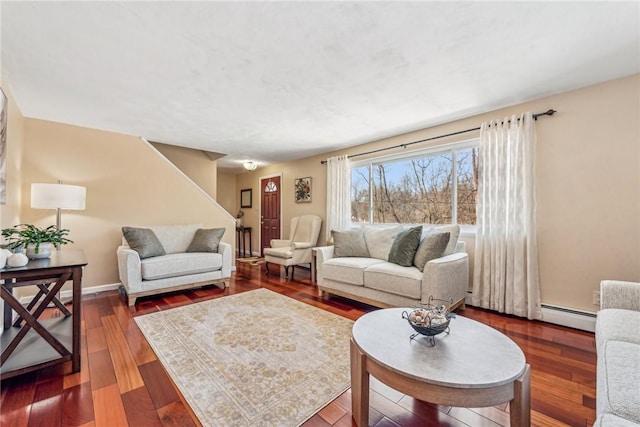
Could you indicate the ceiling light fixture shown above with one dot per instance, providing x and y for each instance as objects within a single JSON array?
[{"x": 249, "y": 165}]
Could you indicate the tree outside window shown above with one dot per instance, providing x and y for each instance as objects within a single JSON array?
[{"x": 418, "y": 189}]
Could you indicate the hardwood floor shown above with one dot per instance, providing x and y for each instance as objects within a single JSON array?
[{"x": 123, "y": 384}]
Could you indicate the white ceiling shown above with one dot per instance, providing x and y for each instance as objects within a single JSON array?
[{"x": 278, "y": 81}]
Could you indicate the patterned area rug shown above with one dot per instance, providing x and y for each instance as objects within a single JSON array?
[{"x": 254, "y": 358}]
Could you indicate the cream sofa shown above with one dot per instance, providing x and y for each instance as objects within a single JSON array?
[
  {"x": 177, "y": 269},
  {"x": 618, "y": 350},
  {"x": 375, "y": 281}
]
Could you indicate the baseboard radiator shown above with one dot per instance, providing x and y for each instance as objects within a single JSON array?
[
  {"x": 578, "y": 319},
  {"x": 563, "y": 316}
]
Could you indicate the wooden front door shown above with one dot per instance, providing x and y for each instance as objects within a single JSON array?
[{"x": 270, "y": 211}]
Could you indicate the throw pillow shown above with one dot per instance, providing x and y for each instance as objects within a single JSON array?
[
  {"x": 404, "y": 246},
  {"x": 379, "y": 240},
  {"x": 144, "y": 241},
  {"x": 431, "y": 247},
  {"x": 349, "y": 244},
  {"x": 454, "y": 230},
  {"x": 206, "y": 240}
]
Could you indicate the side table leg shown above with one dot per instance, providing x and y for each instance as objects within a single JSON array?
[
  {"x": 520, "y": 406},
  {"x": 8, "y": 312},
  {"x": 359, "y": 387},
  {"x": 77, "y": 318},
  {"x": 314, "y": 273}
]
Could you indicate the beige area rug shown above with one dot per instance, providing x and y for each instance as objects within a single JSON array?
[{"x": 256, "y": 358}]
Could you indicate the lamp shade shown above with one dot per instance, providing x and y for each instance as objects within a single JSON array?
[{"x": 58, "y": 196}]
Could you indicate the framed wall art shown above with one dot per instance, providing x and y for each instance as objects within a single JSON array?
[
  {"x": 303, "y": 189},
  {"x": 245, "y": 198}
]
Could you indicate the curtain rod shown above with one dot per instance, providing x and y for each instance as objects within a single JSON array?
[{"x": 549, "y": 112}]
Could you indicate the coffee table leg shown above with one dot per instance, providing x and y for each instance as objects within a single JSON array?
[
  {"x": 520, "y": 406},
  {"x": 359, "y": 387}
]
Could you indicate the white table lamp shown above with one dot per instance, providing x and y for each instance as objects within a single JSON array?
[{"x": 58, "y": 196}]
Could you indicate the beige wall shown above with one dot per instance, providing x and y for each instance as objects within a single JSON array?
[
  {"x": 588, "y": 186},
  {"x": 128, "y": 183},
  {"x": 10, "y": 212},
  {"x": 194, "y": 163},
  {"x": 227, "y": 194}
]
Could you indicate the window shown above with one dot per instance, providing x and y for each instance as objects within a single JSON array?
[{"x": 421, "y": 188}]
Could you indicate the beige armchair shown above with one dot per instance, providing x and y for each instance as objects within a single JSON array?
[{"x": 296, "y": 250}]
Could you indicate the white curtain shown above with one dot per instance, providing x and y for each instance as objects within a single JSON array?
[
  {"x": 338, "y": 194},
  {"x": 505, "y": 276}
]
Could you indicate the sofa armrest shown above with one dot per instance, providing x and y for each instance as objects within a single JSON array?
[
  {"x": 446, "y": 278},
  {"x": 129, "y": 268},
  {"x": 280, "y": 243},
  {"x": 225, "y": 250},
  {"x": 323, "y": 253},
  {"x": 618, "y": 294}
]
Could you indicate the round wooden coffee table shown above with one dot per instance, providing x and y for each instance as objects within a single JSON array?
[{"x": 473, "y": 366}]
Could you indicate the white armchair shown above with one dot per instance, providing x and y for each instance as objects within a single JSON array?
[{"x": 303, "y": 235}]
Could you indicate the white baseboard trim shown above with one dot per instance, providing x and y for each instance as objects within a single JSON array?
[
  {"x": 563, "y": 316},
  {"x": 85, "y": 291}
]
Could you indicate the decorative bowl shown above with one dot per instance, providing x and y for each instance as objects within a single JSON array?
[{"x": 429, "y": 320}]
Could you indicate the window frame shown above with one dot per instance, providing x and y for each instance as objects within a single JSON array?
[{"x": 452, "y": 147}]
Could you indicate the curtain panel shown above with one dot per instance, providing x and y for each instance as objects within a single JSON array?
[
  {"x": 506, "y": 277},
  {"x": 338, "y": 194}
]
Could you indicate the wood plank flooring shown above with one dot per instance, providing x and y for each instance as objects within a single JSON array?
[{"x": 123, "y": 384}]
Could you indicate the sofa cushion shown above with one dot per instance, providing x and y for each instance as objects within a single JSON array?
[
  {"x": 454, "y": 231},
  {"x": 206, "y": 240},
  {"x": 395, "y": 279},
  {"x": 431, "y": 247},
  {"x": 622, "y": 365},
  {"x": 404, "y": 246},
  {"x": 379, "y": 240},
  {"x": 348, "y": 269},
  {"x": 144, "y": 241},
  {"x": 349, "y": 243},
  {"x": 175, "y": 238},
  {"x": 173, "y": 265},
  {"x": 279, "y": 252},
  {"x": 617, "y": 324}
]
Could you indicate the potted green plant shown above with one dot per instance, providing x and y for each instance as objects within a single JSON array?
[{"x": 36, "y": 241}]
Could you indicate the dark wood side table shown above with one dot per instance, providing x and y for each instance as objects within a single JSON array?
[
  {"x": 28, "y": 343},
  {"x": 242, "y": 245},
  {"x": 314, "y": 266}
]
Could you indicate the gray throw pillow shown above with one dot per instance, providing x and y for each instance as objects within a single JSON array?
[
  {"x": 206, "y": 240},
  {"x": 144, "y": 241},
  {"x": 431, "y": 247},
  {"x": 405, "y": 245},
  {"x": 349, "y": 244},
  {"x": 454, "y": 230}
]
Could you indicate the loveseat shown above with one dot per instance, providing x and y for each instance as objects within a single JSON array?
[
  {"x": 372, "y": 275},
  {"x": 158, "y": 259},
  {"x": 618, "y": 351}
]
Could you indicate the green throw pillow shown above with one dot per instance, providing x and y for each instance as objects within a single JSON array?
[
  {"x": 206, "y": 240},
  {"x": 431, "y": 247},
  {"x": 349, "y": 244},
  {"x": 404, "y": 246},
  {"x": 144, "y": 241}
]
